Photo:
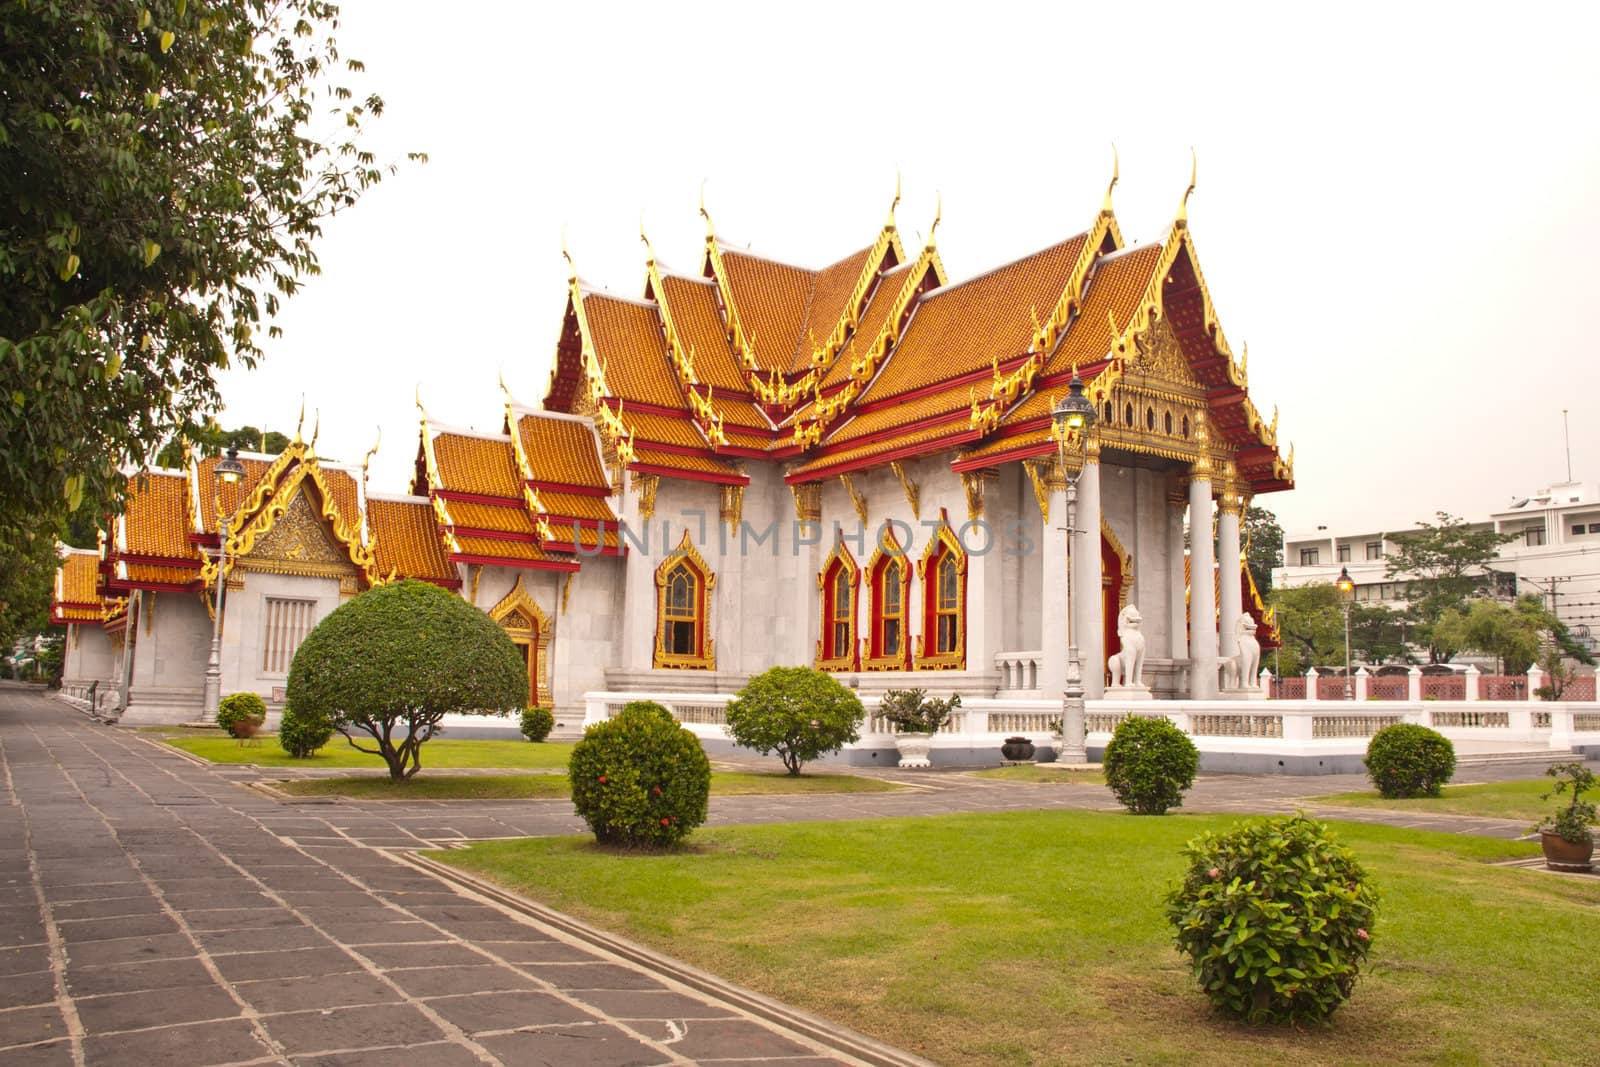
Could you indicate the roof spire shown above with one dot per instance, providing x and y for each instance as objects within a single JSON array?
[
  {"x": 572, "y": 268},
  {"x": 367, "y": 462},
  {"x": 889, "y": 222},
  {"x": 316, "y": 428},
  {"x": 1116, "y": 172},
  {"x": 1182, "y": 220},
  {"x": 420, "y": 408},
  {"x": 650, "y": 252},
  {"x": 938, "y": 213},
  {"x": 300, "y": 423},
  {"x": 711, "y": 231}
]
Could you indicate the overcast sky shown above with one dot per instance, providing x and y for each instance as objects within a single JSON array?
[{"x": 1396, "y": 205}]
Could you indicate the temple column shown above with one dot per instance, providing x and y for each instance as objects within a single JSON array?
[
  {"x": 1229, "y": 596},
  {"x": 639, "y": 572},
  {"x": 1202, "y": 581},
  {"x": 1088, "y": 578},
  {"x": 1177, "y": 583},
  {"x": 1053, "y": 598}
]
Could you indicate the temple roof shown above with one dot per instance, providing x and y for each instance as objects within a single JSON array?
[
  {"x": 76, "y": 597},
  {"x": 406, "y": 540}
]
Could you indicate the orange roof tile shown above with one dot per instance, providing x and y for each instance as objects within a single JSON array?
[
  {"x": 506, "y": 550},
  {"x": 79, "y": 579},
  {"x": 406, "y": 539},
  {"x": 562, "y": 450},
  {"x": 156, "y": 522},
  {"x": 153, "y": 574},
  {"x": 662, "y": 429},
  {"x": 575, "y": 506},
  {"x": 476, "y": 516},
  {"x": 671, "y": 460},
  {"x": 630, "y": 346},
  {"x": 692, "y": 303},
  {"x": 232, "y": 493},
  {"x": 346, "y": 495},
  {"x": 966, "y": 326},
  {"x": 561, "y": 533},
  {"x": 830, "y": 292},
  {"x": 737, "y": 411},
  {"x": 920, "y": 438},
  {"x": 1116, "y": 286},
  {"x": 772, "y": 299},
  {"x": 482, "y": 465},
  {"x": 874, "y": 316},
  {"x": 910, "y": 413}
]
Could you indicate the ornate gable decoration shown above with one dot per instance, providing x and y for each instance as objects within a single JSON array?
[
  {"x": 1159, "y": 357},
  {"x": 298, "y": 543}
]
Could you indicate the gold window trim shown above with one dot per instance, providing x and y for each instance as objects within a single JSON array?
[
  {"x": 839, "y": 557},
  {"x": 888, "y": 547},
  {"x": 706, "y": 658},
  {"x": 943, "y": 538},
  {"x": 520, "y": 616}
]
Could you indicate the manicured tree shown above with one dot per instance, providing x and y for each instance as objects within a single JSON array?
[
  {"x": 1149, "y": 763},
  {"x": 301, "y": 735},
  {"x": 798, "y": 712},
  {"x": 537, "y": 723},
  {"x": 397, "y": 659},
  {"x": 241, "y": 714},
  {"x": 640, "y": 779},
  {"x": 1408, "y": 760}
]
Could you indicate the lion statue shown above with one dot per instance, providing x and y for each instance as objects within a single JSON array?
[
  {"x": 1240, "y": 670},
  {"x": 1127, "y": 666}
]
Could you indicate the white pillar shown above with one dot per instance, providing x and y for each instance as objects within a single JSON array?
[
  {"x": 644, "y": 554},
  {"x": 1414, "y": 684},
  {"x": 1535, "y": 682},
  {"x": 1202, "y": 588},
  {"x": 1053, "y": 597},
  {"x": 1178, "y": 600},
  {"x": 1311, "y": 683},
  {"x": 1266, "y": 683},
  {"x": 1230, "y": 598},
  {"x": 1088, "y": 579},
  {"x": 1471, "y": 679},
  {"x": 1361, "y": 683}
]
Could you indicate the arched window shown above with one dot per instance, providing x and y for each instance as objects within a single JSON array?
[
  {"x": 944, "y": 603},
  {"x": 889, "y": 575},
  {"x": 683, "y": 584},
  {"x": 520, "y": 616},
  {"x": 837, "y": 647}
]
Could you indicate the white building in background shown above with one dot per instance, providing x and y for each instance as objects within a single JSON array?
[{"x": 1555, "y": 555}]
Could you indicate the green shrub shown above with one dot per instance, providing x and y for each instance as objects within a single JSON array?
[
  {"x": 1573, "y": 821},
  {"x": 915, "y": 712},
  {"x": 1406, "y": 760},
  {"x": 241, "y": 714},
  {"x": 1149, "y": 763},
  {"x": 798, "y": 712},
  {"x": 537, "y": 723},
  {"x": 640, "y": 778},
  {"x": 301, "y": 735},
  {"x": 394, "y": 661},
  {"x": 1276, "y": 919}
]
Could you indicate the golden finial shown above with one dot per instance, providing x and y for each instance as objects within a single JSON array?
[
  {"x": 889, "y": 224},
  {"x": 420, "y": 408},
  {"x": 263, "y": 442},
  {"x": 938, "y": 213},
  {"x": 1183, "y": 205},
  {"x": 373, "y": 451},
  {"x": 572, "y": 268},
  {"x": 1244, "y": 362},
  {"x": 711, "y": 231},
  {"x": 1116, "y": 172},
  {"x": 301, "y": 421},
  {"x": 1116, "y": 336},
  {"x": 316, "y": 429},
  {"x": 650, "y": 253}
]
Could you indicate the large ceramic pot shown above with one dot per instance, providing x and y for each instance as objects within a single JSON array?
[
  {"x": 913, "y": 749},
  {"x": 1017, "y": 749},
  {"x": 1563, "y": 855}
]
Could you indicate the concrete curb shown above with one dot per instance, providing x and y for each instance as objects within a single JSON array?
[{"x": 845, "y": 1041}]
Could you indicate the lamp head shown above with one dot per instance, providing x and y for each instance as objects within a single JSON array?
[
  {"x": 1075, "y": 412},
  {"x": 230, "y": 469},
  {"x": 1345, "y": 584}
]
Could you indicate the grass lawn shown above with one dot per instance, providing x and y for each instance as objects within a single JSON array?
[
  {"x": 442, "y": 752},
  {"x": 526, "y": 786},
  {"x": 1497, "y": 800},
  {"x": 1033, "y": 773},
  {"x": 1038, "y": 937}
]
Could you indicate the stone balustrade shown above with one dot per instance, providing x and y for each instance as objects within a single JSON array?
[{"x": 1019, "y": 671}]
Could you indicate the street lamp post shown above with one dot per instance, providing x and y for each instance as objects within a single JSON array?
[
  {"x": 1074, "y": 415},
  {"x": 229, "y": 470},
  {"x": 1347, "y": 593}
]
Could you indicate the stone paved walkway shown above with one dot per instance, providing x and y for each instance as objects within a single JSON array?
[{"x": 152, "y": 910}]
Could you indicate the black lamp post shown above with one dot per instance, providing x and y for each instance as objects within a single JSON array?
[
  {"x": 1347, "y": 593},
  {"x": 1074, "y": 417},
  {"x": 229, "y": 470}
]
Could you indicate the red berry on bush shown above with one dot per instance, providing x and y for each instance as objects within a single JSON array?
[
  {"x": 666, "y": 822},
  {"x": 602, "y": 779}
]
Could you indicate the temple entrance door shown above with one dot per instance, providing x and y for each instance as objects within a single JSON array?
[
  {"x": 529, "y": 651},
  {"x": 1113, "y": 591}
]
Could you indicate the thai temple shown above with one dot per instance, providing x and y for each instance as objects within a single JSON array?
[{"x": 759, "y": 464}]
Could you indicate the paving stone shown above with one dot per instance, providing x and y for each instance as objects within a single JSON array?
[
  {"x": 435, "y": 954},
  {"x": 77, "y": 931},
  {"x": 264, "y": 918},
  {"x": 50, "y": 1054},
  {"x": 24, "y": 958},
  {"x": 143, "y": 904},
  {"x": 276, "y": 995},
  {"x": 379, "y": 933},
  {"x": 30, "y": 987},
  {"x": 537, "y": 951},
  {"x": 443, "y": 981},
  {"x": 293, "y": 963},
  {"x": 505, "y": 1011},
  {"x": 720, "y": 1039},
  {"x": 130, "y": 950},
  {"x": 351, "y": 1028},
  {"x": 60, "y": 893},
  {"x": 597, "y": 1045},
  {"x": 131, "y": 977},
  {"x": 438, "y": 1055},
  {"x": 265, "y": 940},
  {"x": 138, "y": 1011},
  {"x": 27, "y": 1026},
  {"x": 651, "y": 1004},
  {"x": 592, "y": 976},
  {"x": 502, "y": 928},
  {"x": 192, "y": 1045}
]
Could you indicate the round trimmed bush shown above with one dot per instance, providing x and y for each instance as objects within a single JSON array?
[
  {"x": 241, "y": 714},
  {"x": 798, "y": 712},
  {"x": 640, "y": 778},
  {"x": 1149, "y": 763},
  {"x": 1276, "y": 919},
  {"x": 1407, "y": 760},
  {"x": 301, "y": 735},
  {"x": 537, "y": 723}
]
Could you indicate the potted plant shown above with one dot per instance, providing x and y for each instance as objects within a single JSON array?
[
  {"x": 1568, "y": 836},
  {"x": 916, "y": 718}
]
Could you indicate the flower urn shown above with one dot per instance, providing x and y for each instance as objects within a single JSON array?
[{"x": 914, "y": 749}]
